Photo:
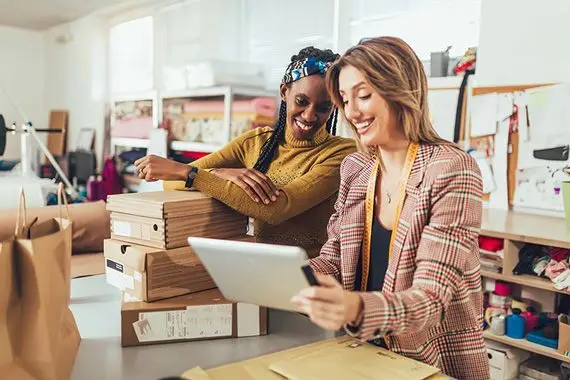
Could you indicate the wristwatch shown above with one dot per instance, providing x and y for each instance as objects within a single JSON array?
[{"x": 191, "y": 175}]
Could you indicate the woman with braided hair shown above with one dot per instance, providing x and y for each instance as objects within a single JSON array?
[{"x": 286, "y": 177}]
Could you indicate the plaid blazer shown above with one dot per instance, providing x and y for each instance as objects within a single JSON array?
[{"x": 431, "y": 305}]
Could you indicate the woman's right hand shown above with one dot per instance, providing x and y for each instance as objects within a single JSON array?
[
  {"x": 256, "y": 184},
  {"x": 153, "y": 168}
]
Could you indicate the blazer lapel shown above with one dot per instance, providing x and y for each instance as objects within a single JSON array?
[
  {"x": 406, "y": 217},
  {"x": 352, "y": 225}
]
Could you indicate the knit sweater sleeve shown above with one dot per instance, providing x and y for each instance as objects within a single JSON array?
[
  {"x": 232, "y": 155},
  {"x": 296, "y": 197}
]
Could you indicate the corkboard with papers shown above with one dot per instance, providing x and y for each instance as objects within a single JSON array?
[{"x": 513, "y": 141}]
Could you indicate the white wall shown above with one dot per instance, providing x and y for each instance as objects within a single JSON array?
[
  {"x": 22, "y": 76},
  {"x": 523, "y": 41},
  {"x": 76, "y": 75}
]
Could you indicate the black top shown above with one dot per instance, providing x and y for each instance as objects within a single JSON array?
[{"x": 379, "y": 248}]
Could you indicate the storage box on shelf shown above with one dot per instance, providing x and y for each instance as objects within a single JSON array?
[
  {"x": 504, "y": 361},
  {"x": 231, "y": 120},
  {"x": 205, "y": 119},
  {"x": 518, "y": 229},
  {"x": 133, "y": 116}
]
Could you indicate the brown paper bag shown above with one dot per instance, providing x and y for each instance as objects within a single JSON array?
[{"x": 39, "y": 338}]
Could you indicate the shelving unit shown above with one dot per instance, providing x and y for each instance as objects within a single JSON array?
[
  {"x": 227, "y": 92},
  {"x": 517, "y": 229},
  {"x": 527, "y": 346},
  {"x": 175, "y": 145}
]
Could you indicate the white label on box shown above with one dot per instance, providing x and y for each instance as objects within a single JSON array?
[
  {"x": 121, "y": 228},
  {"x": 209, "y": 321},
  {"x": 114, "y": 273},
  {"x": 161, "y": 325},
  {"x": 247, "y": 320},
  {"x": 138, "y": 276},
  {"x": 206, "y": 321}
]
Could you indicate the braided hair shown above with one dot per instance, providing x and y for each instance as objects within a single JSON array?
[{"x": 296, "y": 70}]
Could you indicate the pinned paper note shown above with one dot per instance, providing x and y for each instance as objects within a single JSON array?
[
  {"x": 486, "y": 175},
  {"x": 520, "y": 100},
  {"x": 499, "y": 198},
  {"x": 484, "y": 114}
]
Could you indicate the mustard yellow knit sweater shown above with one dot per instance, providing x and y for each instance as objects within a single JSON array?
[{"x": 306, "y": 172}]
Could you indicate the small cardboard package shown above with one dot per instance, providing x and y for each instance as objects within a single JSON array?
[
  {"x": 165, "y": 219},
  {"x": 338, "y": 358},
  {"x": 564, "y": 335},
  {"x": 150, "y": 274},
  {"x": 197, "y": 316}
]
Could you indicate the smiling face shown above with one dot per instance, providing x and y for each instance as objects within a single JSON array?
[
  {"x": 309, "y": 106},
  {"x": 372, "y": 117}
]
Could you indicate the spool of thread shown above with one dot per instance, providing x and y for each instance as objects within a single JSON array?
[
  {"x": 497, "y": 300},
  {"x": 491, "y": 311},
  {"x": 498, "y": 324},
  {"x": 502, "y": 288}
]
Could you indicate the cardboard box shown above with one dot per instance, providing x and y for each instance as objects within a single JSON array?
[
  {"x": 504, "y": 361},
  {"x": 197, "y": 316},
  {"x": 173, "y": 232},
  {"x": 165, "y": 219},
  {"x": 338, "y": 358},
  {"x": 151, "y": 274},
  {"x": 564, "y": 337}
]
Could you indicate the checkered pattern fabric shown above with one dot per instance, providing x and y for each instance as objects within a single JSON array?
[
  {"x": 304, "y": 67},
  {"x": 430, "y": 307}
]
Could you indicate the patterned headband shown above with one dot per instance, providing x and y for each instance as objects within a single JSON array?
[{"x": 304, "y": 67}]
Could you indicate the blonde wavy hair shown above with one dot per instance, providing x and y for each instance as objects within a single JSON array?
[{"x": 394, "y": 70}]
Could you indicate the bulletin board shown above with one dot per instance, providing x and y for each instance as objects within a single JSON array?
[{"x": 513, "y": 152}]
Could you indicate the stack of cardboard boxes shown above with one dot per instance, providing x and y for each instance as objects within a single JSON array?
[{"x": 168, "y": 296}]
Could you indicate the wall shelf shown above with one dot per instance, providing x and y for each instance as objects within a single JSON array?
[
  {"x": 191, "y": 146},
  {"x": 516, "y": 229},
  {"x": 129, "y": 142},
  {"x": 524, "y": 280},
  {"x": 527, "y": 346},
  {"x": 216, "y": 91}
]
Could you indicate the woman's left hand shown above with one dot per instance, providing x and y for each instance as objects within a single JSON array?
[{"x": 328, "y": 304}]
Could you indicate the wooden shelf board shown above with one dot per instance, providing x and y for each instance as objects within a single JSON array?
[
  {"x": 525, "y": 280},
  {"x": 526, "y": 228},
  {"x": 527, "y": 346}
]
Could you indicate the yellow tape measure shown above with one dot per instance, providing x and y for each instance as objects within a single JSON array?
[{"x": 369, "y": 207}]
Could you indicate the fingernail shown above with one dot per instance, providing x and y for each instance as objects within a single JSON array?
[
  {"x": 257, "y": 200},
  {"x": 273, "y": 198},
  {"x": 266, "y": 201}
]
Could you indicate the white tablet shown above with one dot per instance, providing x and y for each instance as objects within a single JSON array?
[{"x": 261, "y": 274}]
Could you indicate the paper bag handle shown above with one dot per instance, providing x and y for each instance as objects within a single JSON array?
[
  {"x": 21, "y": 217},
  {"x": 60, "y": 196}
]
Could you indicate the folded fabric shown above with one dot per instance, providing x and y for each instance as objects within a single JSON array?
[
  {"x": 558, "y": 254},
  {"x": 540, "y": 265},
  {"x": 554, "y": 269}
]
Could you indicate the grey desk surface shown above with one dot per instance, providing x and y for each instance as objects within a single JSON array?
[{"x": 96, "y": 306}]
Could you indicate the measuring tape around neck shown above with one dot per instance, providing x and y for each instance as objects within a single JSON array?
[{"x": 369, "y": 207}]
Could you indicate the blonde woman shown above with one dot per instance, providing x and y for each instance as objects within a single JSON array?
[{"x": 401, "y": 264}]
